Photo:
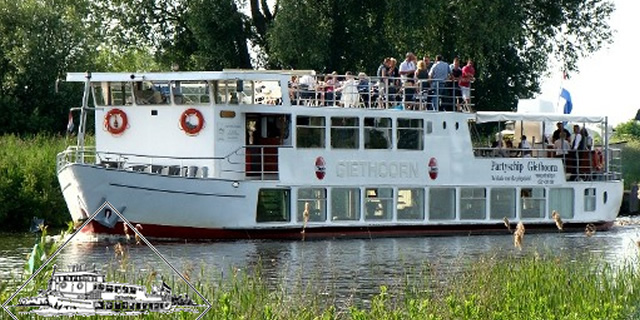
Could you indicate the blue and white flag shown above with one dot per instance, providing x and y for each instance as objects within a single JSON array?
[{"x": 568, "y": 105}]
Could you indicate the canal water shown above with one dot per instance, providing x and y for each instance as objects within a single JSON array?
[{"x": 347, "y": 268}]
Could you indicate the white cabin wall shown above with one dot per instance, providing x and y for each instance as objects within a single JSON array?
[{"x": 158, "y": 135}]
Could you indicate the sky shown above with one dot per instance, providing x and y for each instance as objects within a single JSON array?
[{"x": 605, "y": 84}]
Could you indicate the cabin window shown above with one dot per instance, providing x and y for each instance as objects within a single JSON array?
[
  {"x": 268, "y": 92},
  {"x": 473, "y": 203},
  {"x": 378, "y": 204},
  {"x": 345, "y": 133},
  {"x": 442, "y": 203},
  {"x": 113, "y": 94},
  {"x": 590, "y": 199},
  {"x": 429, "y": 127},
  {"x": 345, "y": 204},
  {"x": 377, "y": 133},
  {"x": 310, "y": 132},
  {"x": 312, "y": 203},
  {"x": 234, "y": 91},
  {"x": 273, "y": 205},
  {"x": 147, "y": 92},
  {"x": 532, "y": 202},
  {"x": 410, "y": 204},
  {"x": 410, "y": 132},
  {"x": 561, "y": 200},
  {"x": 190, "y": 92},
  {"x": 109, "y": 288},
  {"x": 503, "y": 203}
]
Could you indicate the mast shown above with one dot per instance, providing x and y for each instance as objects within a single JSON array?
[{"x": 83, "y": 117}]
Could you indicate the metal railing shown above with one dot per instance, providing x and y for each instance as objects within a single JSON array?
[
  {"x": 380, "y": 93},
  {"x": 579, "y": 165},
  {"x": 253, "y": 162}
]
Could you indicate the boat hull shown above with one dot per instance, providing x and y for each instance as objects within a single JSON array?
[{"x": 170, "y": 207}]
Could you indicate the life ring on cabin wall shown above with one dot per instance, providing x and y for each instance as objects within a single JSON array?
[
  {"x": 115, "y": 121},
  {"x": 186, "y": 121}
]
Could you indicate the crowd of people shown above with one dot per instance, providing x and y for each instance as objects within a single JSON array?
[
  {"x": 574, "y": 148},
  {"x": 413, "y": 85}
]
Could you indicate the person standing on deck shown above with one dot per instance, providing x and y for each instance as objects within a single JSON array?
[{"x": 438, "y": 74}]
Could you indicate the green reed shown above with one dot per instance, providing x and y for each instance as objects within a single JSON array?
[{"x": 515, "y": 286}]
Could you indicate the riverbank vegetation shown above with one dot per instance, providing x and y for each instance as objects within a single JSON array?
[
  {"x": 28, "y": 182},
  {"x": 509, "y": 286}
]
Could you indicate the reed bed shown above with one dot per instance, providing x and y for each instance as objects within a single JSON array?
[{"x": 518, "y": 285}]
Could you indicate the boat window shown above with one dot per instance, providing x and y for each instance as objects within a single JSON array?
[
  {"x": 378, "y": 204},
  {"x": 312, "y": 204},
  {"x": 113, "y": 94},
  {"x": 590, "y": 199},
  {"x": 442, "y": 204},
  {"x": 190, "y": 92},
  {"x": 310, "y": 132},
  {"x": 473, "y": 203},
  {"x": 503, "y": 203},
  {"x": 410, "y": 204},
  {"x": 345, "y": 133},
  {"x": 561, "y": 200},
  {"x": 377, "y": 133},
  {"x": 109, "y": 288},
  {"x": 429, "y": 127},
  {"x": 147, "y": 92},
  {"x": 268, "y": 92},
  {"x": 410, "y": 134},
  {"x": 532, "y": 202},
  {"x": 345, "y": 204},
  {"x": 273, "y": 205}
]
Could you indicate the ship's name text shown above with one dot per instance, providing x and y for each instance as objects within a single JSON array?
[
  {"x": 377, "y": 169},
  {"x": 517, "y": 166}
]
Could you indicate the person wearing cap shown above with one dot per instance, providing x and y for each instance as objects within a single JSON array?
[{"x": 556, "y": 134}]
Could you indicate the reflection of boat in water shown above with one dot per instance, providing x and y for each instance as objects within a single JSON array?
[
  {"x": 82, "y": 290},
  {"x": 213, "y": 160}
]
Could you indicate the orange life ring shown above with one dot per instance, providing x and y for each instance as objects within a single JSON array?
[
  {"x": 112, "y": 124},
  {"x": 188, "y": 127}
]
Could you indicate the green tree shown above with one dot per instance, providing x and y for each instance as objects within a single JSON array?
[
  {"x": 627, "y": 130},
  {"x": 512, "y": 43},
  {"x": 39, "y": 41}
]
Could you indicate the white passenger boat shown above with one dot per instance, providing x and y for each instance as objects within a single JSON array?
[{"x": 248, "y": 154}]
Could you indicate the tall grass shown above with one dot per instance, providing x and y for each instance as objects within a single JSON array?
[
  {"x": 519, "y": 286},
  {"x": 28, "y": 183}
]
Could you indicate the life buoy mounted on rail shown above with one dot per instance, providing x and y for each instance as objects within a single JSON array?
[
  {"x": 115, "y": 121},
  {"x": 191, "y": 121}
]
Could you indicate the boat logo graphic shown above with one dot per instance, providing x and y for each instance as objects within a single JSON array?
[
  {"x": 82, "y": 291},
  {"x": 320, "y": 168},
  {"x": 433, "y": 168}
]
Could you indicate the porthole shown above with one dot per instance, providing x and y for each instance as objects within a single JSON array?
[
  {"x": 444, "y": 125},
  {"x": 457, "y": 126},
  {"x": 79, "y": 285},
  {"x": 605, "y": 197},
  {"x": 63, "y": 285}
]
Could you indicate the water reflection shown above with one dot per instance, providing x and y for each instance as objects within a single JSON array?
[{"x": 349, "y": 269}]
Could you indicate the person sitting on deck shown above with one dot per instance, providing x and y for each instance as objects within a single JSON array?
[{"x": 524, "y": 147}]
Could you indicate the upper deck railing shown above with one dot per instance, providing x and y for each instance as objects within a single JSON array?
[
  {"x": 381, "y": 93},
  {"x": 301, "y": 89}
]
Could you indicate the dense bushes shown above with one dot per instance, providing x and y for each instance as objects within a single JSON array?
[{"x": 28, "y": 183}]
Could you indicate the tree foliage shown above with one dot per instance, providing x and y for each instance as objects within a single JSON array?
[{"x": 512, "y": 43}]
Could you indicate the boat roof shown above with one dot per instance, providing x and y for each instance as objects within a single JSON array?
[
  {"x": 236, "y": 74},
  {"x": 491, "y": 116}
]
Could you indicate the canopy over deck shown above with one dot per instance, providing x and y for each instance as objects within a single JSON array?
[{"x": 483, "y": 117}]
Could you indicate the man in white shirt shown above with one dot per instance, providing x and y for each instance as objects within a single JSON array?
[{"x": 408, "y": 67}]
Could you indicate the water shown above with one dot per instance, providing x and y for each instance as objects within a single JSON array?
[{"x": 346, "y": 268}]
